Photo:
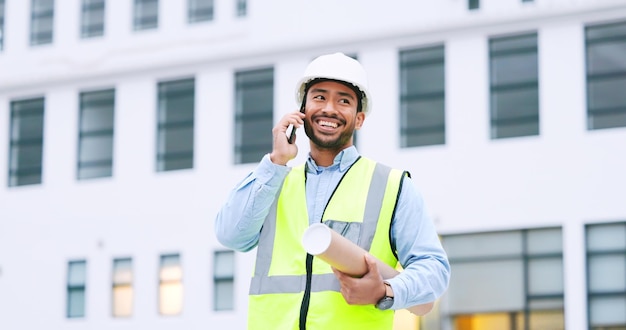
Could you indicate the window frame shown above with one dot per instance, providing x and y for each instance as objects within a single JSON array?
[
  {"x": 417, "y": 134},
  {"x": 248, "y": 150},
  {"x": 89, "y": 7},
  {"x": 591, "y": 78},
  {"x": 164, "y": 157},
  {"x": 504, "y": 128},
  {"x": 219, "y": 280},
  {"x": 85, "y": 134},
  {"x": 70, "y": 288},
  {"x": 199, "y": 14},
  {"x": 18, "y": 142},
  {"x": 143, "y": 22},
  {"x": 115, "y": 284},
  {"x": 41, "y": 37}
]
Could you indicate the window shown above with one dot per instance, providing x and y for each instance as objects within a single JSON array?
[
  {"x": 122, "y": 299},
  {"x": 199, "y": 10},
  {"x": 506, "y": 280},
  {"x": 26, "y": 142},
  {"x": 422, "y": 97},
  {"x": 242, "y": 8},
  {"x": 76, "y": 281},
  {"x": 473, "y": 4},
  {"x": 606, "y": 276},
  {"x": 1, "y": 25},
  {"x": 92, "y": 18},
  {"x": 606, "y": 75},
  {"x": 95, "y": 136},
  {"x": 253, "y": 114},
  {"x": 514, "y": 86},
  {"x": 146, "y": 14},
  {"x": 41, "y": 22},
  {"x": 170, "y": 285},
  {"x": 175, "y": 126},
  {"x": 223, "y": 280}
]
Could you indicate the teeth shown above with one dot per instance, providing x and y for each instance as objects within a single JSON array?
[{"x": 328, "y": 124}]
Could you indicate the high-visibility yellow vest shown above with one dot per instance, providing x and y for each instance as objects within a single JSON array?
[{"x": 293, "y": 290}]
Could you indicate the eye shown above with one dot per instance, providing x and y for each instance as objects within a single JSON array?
[
  {"x": 318, "y": 97},
  {"x": 345, "y": 101}
]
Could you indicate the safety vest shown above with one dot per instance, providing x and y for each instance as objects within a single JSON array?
[{"x": 291, "y": 289}]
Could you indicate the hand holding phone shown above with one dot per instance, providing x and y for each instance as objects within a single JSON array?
[{"x": 291, "y": 130}]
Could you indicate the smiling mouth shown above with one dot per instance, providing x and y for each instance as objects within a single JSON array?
[{"x": 329, "y": 124}]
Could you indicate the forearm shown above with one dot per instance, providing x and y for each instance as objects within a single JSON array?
[{"x": 239, "y": 222}]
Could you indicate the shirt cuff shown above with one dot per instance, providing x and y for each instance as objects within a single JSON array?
[{"x": 270, "y": 174}]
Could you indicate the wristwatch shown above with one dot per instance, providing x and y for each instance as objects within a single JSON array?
[{"x": 387, "y": 301}]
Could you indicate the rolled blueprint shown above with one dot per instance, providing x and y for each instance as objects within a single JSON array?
[
  {"x": 347, "y": 257},
  {"x": 339, "y": 252}
]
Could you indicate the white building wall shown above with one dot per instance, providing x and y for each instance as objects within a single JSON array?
[{"x": 567, "y": 176}]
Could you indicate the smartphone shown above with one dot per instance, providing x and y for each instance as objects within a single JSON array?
[{"x": 291, "y": 130}]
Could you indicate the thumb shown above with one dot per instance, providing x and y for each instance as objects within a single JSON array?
[{"x": 372, "y": 266}]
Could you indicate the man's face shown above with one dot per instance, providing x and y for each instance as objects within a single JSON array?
[{"x": 331, "y": 115}]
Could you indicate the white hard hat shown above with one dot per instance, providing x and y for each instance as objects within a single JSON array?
[{"x": 339, "y": 67}]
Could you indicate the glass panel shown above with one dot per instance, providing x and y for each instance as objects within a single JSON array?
[
  {"x": 513, "y": 43},
  {"x": 492, "y": 321},
  {"x": 519, "y": 103},
  {"x": 607, "y": 93},
  {"x": 426, "y": 138},
  {"x": 77, "y": 273},
  {"x": 122, "y": 301},
  {"x": 224, "y": 264},
  {"x": 92, "y": 23},
  {"x": 424, "y": 113},
  {"x": 544, "y": 241},
  {"x": 26, "y": 158},
  {"x": 608, "y": 311},
  {"x": 146, "y": 15},
  {"x": 484, "y": 245},
  {"x": 176, "y": 101},
  {"x": 176, "y": 139},
  {"x": 542, "y": 320},
  {"x": 122, "y": 271},
  {"x": 514, "y": 68},
  {"x": 606, "y": 57},
  {"x": 546, "y": 304},
  {"x": 224, "y": 297},
  {"x": 96, "y": 148},
  {"x": 423, "y": 78},
  {"x": 611, "y": 119},
  {"x": 97, "y": 111},
  {"x": 170, "y": 298},
  {"x": 95, "y": 171},
  {"x": 76, "y": 302},
  {"x": 606, "y": 31},
  {"x": 606, "y": 237},
  {"x": 170, "y": 268},
  {"x": 545, "y": 276},
  {"x": 607, "y": 273},
  {"x": 486, "y": 286},
  {"x": 200, "y": 10}
]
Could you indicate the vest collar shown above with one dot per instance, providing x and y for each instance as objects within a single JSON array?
[{"x": 344, "y": 159}]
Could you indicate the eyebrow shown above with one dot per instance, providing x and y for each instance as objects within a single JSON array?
[{"x": 322, "y": 90}]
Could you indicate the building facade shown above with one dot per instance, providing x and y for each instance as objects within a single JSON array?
[{"x": 124, "y": 125}]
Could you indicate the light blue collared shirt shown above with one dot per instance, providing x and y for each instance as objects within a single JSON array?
[{"x": 426, "y": 271}]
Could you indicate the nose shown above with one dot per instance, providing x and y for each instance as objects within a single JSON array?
[{"x": 329, "y": 107}]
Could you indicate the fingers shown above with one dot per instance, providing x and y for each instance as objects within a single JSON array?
[{"x": 282, "y": 150}]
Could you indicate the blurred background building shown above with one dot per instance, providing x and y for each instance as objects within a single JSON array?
[{"x": 125, "y": 123}]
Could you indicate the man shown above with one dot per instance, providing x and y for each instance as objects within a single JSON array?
[{"x": 374, "y": 206}]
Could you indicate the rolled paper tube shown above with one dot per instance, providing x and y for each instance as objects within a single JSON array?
[
  {"x": 339, "y": 252},
  {"x": 347, "y": 257}
]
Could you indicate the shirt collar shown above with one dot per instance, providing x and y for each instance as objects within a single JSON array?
[{"x": 344, "y": 159}]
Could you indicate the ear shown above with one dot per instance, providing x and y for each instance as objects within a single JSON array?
[{"x": 360, "y": 118}]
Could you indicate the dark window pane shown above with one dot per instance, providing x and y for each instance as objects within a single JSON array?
[
  {"x": 92, "y": 18},
  {"x": 200, "y": 10},
  {"x": 175, "y": 137},
  {"x": 422, "y": 97},
  {"x": 146, "y": 14},
  {"x": 41, "y": 22},
  {"x": 95, "y": 145},
  {"x": 26, "y": 142},
  {"x": 253, "y": 114}
]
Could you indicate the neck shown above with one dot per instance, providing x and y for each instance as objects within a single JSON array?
[{"x": 324, "y": 157}]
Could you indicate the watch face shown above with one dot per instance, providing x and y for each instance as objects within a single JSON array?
[{"x": 385, "y": 303}]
